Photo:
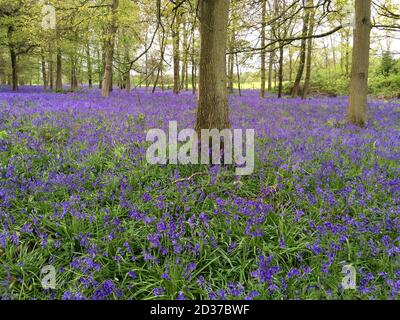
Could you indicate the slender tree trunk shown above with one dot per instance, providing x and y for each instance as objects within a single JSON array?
[
  {"x": 176, "y": 53},
  {"x": 290, "y": 65},
  {"x": 193, "y": 58},
  {"x": 13, "y": 57},
  {"x": 100, "y": 70},
  {"x": 44, "y": 74},
  {"x": 127, "y": 75},
  {"x": 357, "y": 113},
  {"x": 238, "y": 74},
  {"x": 89, "y": 66},
  {"x": 347, "y": 65},
  {"x": 110, "y": 43},
  {"x": 280, "y": 72},
  {"x": 184, "y": 52},
  {"x": 309, "y": 51},
  {"x": 296, "y": 85},
  {"x": 231, "y": 61},
  {"x": 51, "y": 68},
  {"x": 212, "y": 111},
  {"x": 59, "y": 84},
  {"x": 14, "y": 70},
  {"x": 263, "y": 44}
]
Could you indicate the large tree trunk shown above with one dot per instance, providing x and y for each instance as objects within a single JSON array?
[
  {"x": 263, "y": 44},
  {"x": 309, "y": 51},
  {"x": 300, "y": 70},
  {"x": 110, "y": 42},
  {"x": 175, "y": 41},
  {"x": 213, "y": 111},
  {"x": 357, "y": 113}
]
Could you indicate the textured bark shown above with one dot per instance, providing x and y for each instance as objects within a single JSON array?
[
  {"x": 44, "y": 73},
  {"x": 193, "y": 55},
  {"x": 13, "y": 57},
  {"x": 89, "y": 66},
  {"x": 238, "y": 74},
  {"x": 357, "y": 113},
  {"x": 309, "y": 51},
  {"x": 185, "y": 49},
  {"x": 59, "y": 70},
  {"x": 127, "y": 75},
  {"x": 300, "y": 70},
  {"x": 109, "y": 48},
  {"x": 51, "y": 68},
  {"x": 263, "y": 43},
  {"x": 212, "y": 111},
  {"x": 176, "y": 54},
  {"x": 280, "y": 72}
]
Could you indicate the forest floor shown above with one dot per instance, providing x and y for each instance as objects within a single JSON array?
[{"x": 76, "y": 193}]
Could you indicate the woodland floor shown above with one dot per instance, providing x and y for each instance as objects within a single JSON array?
[{"x": 77, "y": 193}]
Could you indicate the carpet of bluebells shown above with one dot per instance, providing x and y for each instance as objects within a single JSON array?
[{"x": 76, "y": 193}]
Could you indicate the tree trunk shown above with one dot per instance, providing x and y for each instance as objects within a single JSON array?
[
  {"x": 280, "y": 75},
  {"x": 51, "y": 68},
  {"x": 44, "y": 74},
  {"x": 231, "y": 61},
  {"x": 127, "y": 75},
  {"x": 357, "y": 113},
  {"x": 184, "y": 53},
  {"x": 238, "y": 74},
  {"x": 13, "y": 57},
  {"x": 213, "y": 111},
  {"x": 110, "y": 42},
  {"x": 89, "y": 66},
  {"x": 193, "y": 58},
  {"x": 59, "y": 68},
  {"x": 14, "y": 70},
  {"x": 263, "y": 43},
  {"x": 296, "y": 85},
  {"x": 347, "y": 65},
  {"x": 176, "y": 53},
  {"x": 309, "y": 51}
]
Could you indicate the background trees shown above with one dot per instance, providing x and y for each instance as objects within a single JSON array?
[{"x": 291, "y": 47}]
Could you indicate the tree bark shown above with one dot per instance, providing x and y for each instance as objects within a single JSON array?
[
  {"x": 280, "y": 72},
  {"x": 51, "y": 68},
  {"x": 110, "y": 43},
  {"x": 44, "y": 74},
  {"x": 58, "y": 63},
  {"x": 300, "y": 71},
  {"x": 238, "y": 74},
  {"x": 89, "y": 66},
  {"x": 357, "y": 113},
  {"x": 13, "y": 57},
  {"x": 212, "y": 110},
  {"x": 176, "y": 53},
  {"x": 309, "y": 51},
  {"x": 263, "y": 43}
]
